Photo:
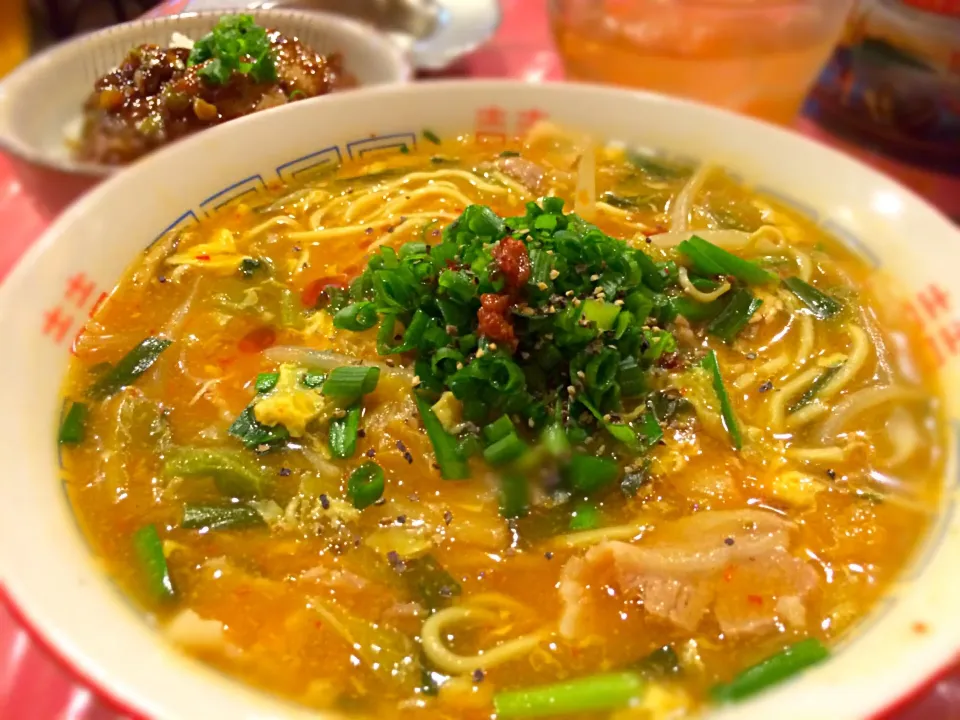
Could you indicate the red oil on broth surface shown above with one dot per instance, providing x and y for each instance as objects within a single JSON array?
[{"x": 554, "y": 429}]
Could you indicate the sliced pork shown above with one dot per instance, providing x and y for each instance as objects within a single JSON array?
[{"x": 735, "y": 563}]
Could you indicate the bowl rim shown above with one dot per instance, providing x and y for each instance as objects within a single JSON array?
[
  {"x": 71, "y": 657},
  {"x": 14, "y": 87}
]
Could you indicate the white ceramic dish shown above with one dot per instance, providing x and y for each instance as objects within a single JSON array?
[
  {"x": 44, "y": 96},
  {"x": 59, "y": 587},
  {"x": 435, "y": 32}
]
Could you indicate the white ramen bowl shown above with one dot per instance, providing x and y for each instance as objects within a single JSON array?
[
  {"x": 41, "y": 102},
  {"x": 59, "y": 587}
]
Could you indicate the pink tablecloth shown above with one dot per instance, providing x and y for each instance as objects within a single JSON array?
[{"x": 33, "y": 686}]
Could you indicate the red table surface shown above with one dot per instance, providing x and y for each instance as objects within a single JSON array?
[{"x": 34, "y": 685}]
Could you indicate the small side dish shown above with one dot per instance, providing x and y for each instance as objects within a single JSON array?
[{"x": 160, "y": 94}]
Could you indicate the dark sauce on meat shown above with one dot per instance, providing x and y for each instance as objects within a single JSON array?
[{"x": 153, "y": 98}]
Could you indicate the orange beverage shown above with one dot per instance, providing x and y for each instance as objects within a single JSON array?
[
  {"x": 758, "y": 57},
  {"x": 14, "y": 34}
]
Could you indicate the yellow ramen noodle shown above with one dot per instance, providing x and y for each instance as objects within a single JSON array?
[{"x": 543, "y": 429}]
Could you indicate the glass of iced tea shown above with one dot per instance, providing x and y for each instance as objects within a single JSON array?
[
  {"x": 758, "y": 57},
  {"x": 14, "y": 34}
]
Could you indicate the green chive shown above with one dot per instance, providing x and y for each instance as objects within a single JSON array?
[
  {"x": 505, "y": 450},
  {"x": 585, "y": 516},
  {"x": 821, "y": 305},
  {"x": 73, "y": 427},
  {"x": 514, "y": 495},
  {"x": 710, "y": 259},
  {"x": 583, "y": 695},
  {"x": 735, "y": 315},
  {"x": 773, "y": 670},
  {"x": 351, "y": 382},
  {"x": 134, "y": 364},
  {"x": 220, "y": 517},
  {"x": 233, "y": 471},
  {"x": 431, "y": 136},
  {"x": 452, "y": 464},
  {"x": 712, "y": 365},
  {"x": 152, "y": 563},
  {"x": 343, "y": 433},
  {"x": 815, "y": 387},
  {"x": 588, "y": 473},
  {"x": 365, "y": 485}
]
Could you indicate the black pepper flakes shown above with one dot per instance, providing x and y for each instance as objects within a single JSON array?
[
  {"x": 284, "y": 472},
  {"x": 408, "y": 457},
  {"x": 369, "y": 230},
  {"x": 478, "y": 675},
  {"x": 548, "y": 555},
  {"x": 728, "y": 541},
  {"x": 401, "y": 447},
  {"x": 324, "y": 501},
  {"x": 371, "y": 453},
  {"x": 393, "y": 557},
  {"x": 447, "y": 517},
  {"x": 832, "y": 473},
  {"x": 361, "y": 433},
  {"x": 161, "y": 279},
  {"x": 401, "y": 519},
  {"x": 764, "y": 387}
]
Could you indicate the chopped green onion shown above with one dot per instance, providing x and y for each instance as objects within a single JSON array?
[
  {"x": 771, "y": 671},
  {"x": 585, "y": 516},
  {"x": 451, "y": 462},
  {"x": 514, "y": 495},
  {"x": 588, "y": 473},
  {"x": 594, "y": 693},
  {"x": 431, "y": 136},
  {"x": 697, "y": 311},
  {"x": 365, "y": 485},
  {"x": 505, "y": 450},
  {"x": 73, "y": 427},
  {"x": 343, "y": 433},
  {"x": 220, "y": 517},
  {"x": 735, "y": 315},
  {"x": 152, "y": 563},
  {"x": 266, "y": 382},
  {"x": 134, "y": 364},
  {"x": 236, "y": 44},
  {"x": 815, "y": 387},
  {"x": 357, "y": 316},
  {"x": 602, "y": 314},
  {"x": 822, "y": 306},
  {"x": 233, "y": 472},
  {"x": 712, "y": 365},
  {"x": 498, "y": 429},
  {"x": 351, "y": 382},
  {"x": 430, "y": 582},
  {"x": 710, "y": 259},
  {"x": 555, "y": 440}
]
